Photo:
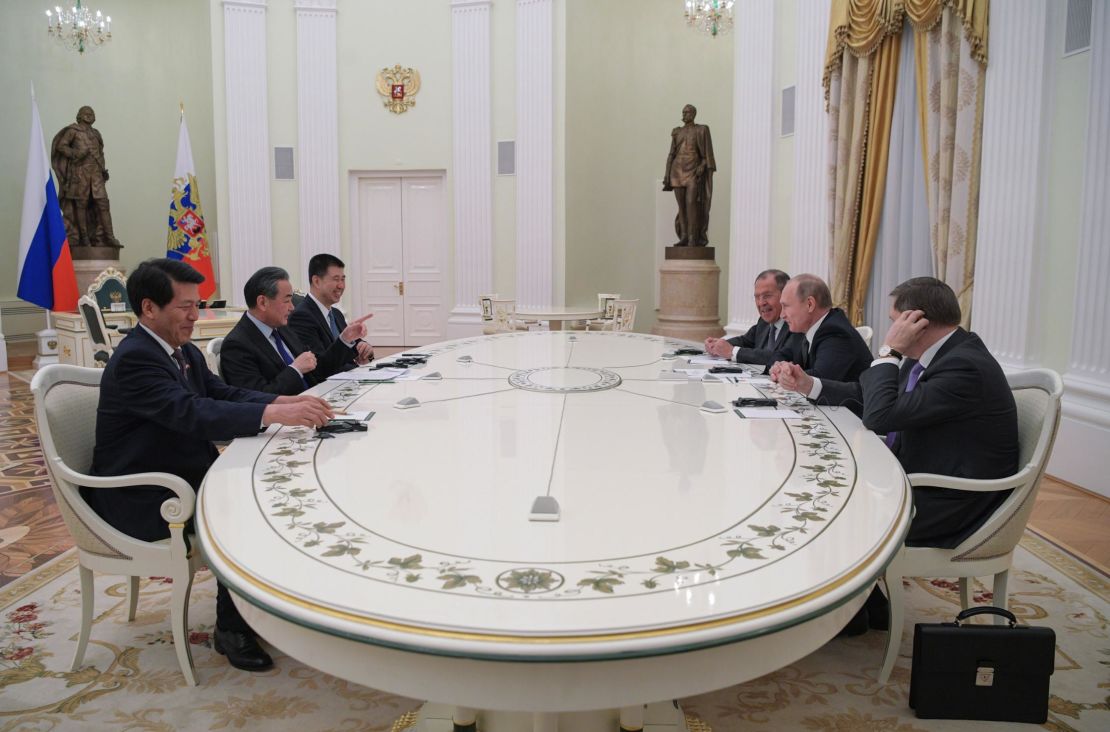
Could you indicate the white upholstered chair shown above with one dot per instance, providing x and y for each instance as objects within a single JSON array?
[
  {"x": 866, "y": 333},
  {"x": 624, "y": 317},
  {"x": 485, "y": 305},
  {"x": 990, "y": 550},
  {"x": 212, "y": 354},
  {"x": 100, "y": 335},
  {"x": 605, "y": 301},
  {"x": 65, "y": 409},
  {"x": 505, "y": 319}
]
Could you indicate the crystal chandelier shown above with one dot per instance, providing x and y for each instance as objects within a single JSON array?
[
  {"x": 710, "y": 16},
  {"x": 79, "y": 28}
]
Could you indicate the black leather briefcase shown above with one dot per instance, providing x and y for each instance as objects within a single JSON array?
[{"x": 993, "y": 672}]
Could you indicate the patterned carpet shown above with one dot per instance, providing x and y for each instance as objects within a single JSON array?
[
  {"x": 31, "y": 528},
  {"x": 132, "y": 682}
]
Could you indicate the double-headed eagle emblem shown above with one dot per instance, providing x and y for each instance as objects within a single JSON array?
[{"x": 397, "y": 87}]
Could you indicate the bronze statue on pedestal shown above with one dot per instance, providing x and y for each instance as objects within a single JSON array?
[
  {"x": 77, "y": 156},
  {"x": 689, "y": 173}
]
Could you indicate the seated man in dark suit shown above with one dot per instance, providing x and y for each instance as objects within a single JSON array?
[
  {"x": 319, "y": 324},
  {"x": 943, "y": 403},
  {"x": 769, "y": 334},
  {"x": 160, "y": 409},
  {"x": 830, "y": 347},
  {"x": 260, "y": 352}
]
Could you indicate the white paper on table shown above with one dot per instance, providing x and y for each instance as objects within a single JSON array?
[
  {"x": 355, "y": 415},
  {"x": 708, "y": 360},
  {"x": 368, "y": 375},
  {"x": 692, "y": 373},
  {"x": 409, "y": 376},
  {"x": 755, "y": 381},
  {"x": 767, "y": 413}
]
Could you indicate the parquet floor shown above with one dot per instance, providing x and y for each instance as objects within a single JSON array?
[
  {"x": 1074, "y": 519},
  {"x": 32, "y": 531}
]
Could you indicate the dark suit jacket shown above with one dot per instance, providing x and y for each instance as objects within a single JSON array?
[
  {"x": 151, "y": 418},
  {"x": 248, "y": 360},
  {"x": 753, "y": 344},
  {"x": 310, "y": 326},
  {"x": 959, "y": 420},
  {"x": 838, "y": 352}
]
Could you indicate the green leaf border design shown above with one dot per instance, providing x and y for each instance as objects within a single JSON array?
[{"x": 300, "y": 511}]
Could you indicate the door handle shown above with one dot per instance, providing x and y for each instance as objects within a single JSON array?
[{"x": 400, "y": 288}]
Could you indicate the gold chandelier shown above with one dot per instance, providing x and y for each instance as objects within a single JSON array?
[
  {"x": 712, "y": 17},
  {"x": 78, "y": 27}
]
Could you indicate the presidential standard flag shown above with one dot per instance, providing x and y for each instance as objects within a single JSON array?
[
  {"x": 46, "y": 276},
  {"x": 187, "y": 240}
]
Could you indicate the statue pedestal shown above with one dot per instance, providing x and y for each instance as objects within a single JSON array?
[
  {"x": 688, "y": 293},
  {"x": 88, "y": 262},
  {"x": 47, "y": 348}
]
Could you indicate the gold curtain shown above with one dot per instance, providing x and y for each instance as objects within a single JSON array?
[
  {"x": 861, "y": 67},
  {"x": 950, "y": 99},
  {"x": 883, "y": 83},
  {"x": 848, "y": 117}
]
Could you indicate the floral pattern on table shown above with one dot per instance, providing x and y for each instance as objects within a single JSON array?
[{"x": 299, "y": 509}]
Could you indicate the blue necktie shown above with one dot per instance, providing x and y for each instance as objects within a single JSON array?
[
  {"x": 333, "y": 324},
  {"x": 911, "y": 382},
  {"x": 285, "y": 355}
]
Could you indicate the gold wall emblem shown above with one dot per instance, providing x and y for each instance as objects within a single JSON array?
[{"x": 398, "y": 86}]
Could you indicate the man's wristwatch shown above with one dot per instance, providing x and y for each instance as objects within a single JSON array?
[{"x": 886, "y": 351}]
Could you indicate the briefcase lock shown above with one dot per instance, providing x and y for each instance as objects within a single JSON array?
[{"x": 984, "y": 676}]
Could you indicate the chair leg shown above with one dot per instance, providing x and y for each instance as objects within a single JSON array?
[
  {"x": 896, "y": 596},
  {"x": 1000, "y": 594},
  {"x": 132, "y": 597},
  {"x": 179, "y": 620},
  {"x": 86, "y": 616},
  {"x": 965, "y": 594}
]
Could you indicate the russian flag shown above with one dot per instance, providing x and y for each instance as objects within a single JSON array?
[{"x": 46, "y": 276}]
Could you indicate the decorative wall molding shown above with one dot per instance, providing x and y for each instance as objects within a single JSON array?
[
  {"x": 317, "y": 131},
  {"x": 535, "y": 147},
  {"x": 472, "y": 161},
  {"x": 1080, "y": 454},
  {"x": 754, "y": 100},
  {"x": 810, "y": 228},
  {"x": 1012, "y": 200},
  {"x": 248, "y": 140}
]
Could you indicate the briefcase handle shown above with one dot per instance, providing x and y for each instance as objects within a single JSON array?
[{"x": 986, "y": 610}]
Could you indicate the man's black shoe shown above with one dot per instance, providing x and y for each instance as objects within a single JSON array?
[
  {"x": 878, "y": 610},
  {"x": 856, "y": 626},
  {"x": 242, "y": 650}
]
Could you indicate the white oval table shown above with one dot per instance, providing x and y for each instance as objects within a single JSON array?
[{"x": 695, "y": 550}]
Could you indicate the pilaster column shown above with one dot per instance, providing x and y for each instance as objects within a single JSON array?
[
  {"x": 317, "y": 131},
  {"x": 248, "y": 140},
  {"x": 1012, "y": 198},
  {"x": 1080, "y": 454},
  {"x": 472, "y": 161},
  {"x": 535, "y": 146},
  {"x": 753, "y": 108},
  {"x": 809, "y": 246}
]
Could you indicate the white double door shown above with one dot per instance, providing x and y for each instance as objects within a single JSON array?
[{"x": 400, "y": 240}]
